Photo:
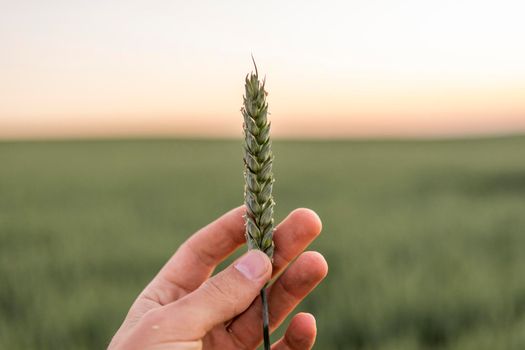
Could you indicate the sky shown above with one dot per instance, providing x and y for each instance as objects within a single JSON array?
[{"x": 376, "y": 68}]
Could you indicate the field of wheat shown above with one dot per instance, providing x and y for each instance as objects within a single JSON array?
[{"x": 425, "y": 239}]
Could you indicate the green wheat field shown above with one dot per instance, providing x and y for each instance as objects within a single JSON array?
[{"x": 425, "y": 239}]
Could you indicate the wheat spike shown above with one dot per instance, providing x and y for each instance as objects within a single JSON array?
[
  {"x": 258, "y": 178},
  {"x": 258, "y": 159}
]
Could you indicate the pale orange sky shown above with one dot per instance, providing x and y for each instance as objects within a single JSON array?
[{"x": 334, "y": 68}]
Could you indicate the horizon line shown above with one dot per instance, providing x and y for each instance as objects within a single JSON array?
[{"x": 174, "y": 137}]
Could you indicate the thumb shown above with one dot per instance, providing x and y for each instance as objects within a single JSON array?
[{"x": 217, "y": 300}]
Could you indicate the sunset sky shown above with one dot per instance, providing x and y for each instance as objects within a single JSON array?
[{"x": 334, "y": 68}]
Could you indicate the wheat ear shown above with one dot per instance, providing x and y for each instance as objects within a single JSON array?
[{"x": 258, "y": 177}]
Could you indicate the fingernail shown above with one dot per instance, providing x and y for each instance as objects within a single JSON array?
[{"x": 252, "y": 265}]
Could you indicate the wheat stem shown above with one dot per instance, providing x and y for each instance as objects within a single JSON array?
[
  {"x": 258, "y": 177},
  {"x": 266, "y": 321}
]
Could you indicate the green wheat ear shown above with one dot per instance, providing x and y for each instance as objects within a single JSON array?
[
  {"x": 258, "y": 178},
  {"x": 258, "y": 159}
]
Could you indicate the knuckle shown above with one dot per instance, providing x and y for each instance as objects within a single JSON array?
[
  {"x": 221, "y": 292},
  {"x": 217, "y": 289}
]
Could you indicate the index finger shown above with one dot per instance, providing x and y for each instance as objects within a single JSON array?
[{"x": 196, "y": 258}]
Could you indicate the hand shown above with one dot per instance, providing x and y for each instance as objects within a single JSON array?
[{"x": 183, "y": 308}]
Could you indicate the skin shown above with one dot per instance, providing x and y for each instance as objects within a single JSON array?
[{"x": 183, "y": 308}]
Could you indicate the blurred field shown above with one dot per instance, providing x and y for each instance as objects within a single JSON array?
[{"x": 425, "y": 240}]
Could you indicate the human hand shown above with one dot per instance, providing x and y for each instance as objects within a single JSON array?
[{"x": 182, "y": 308}]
